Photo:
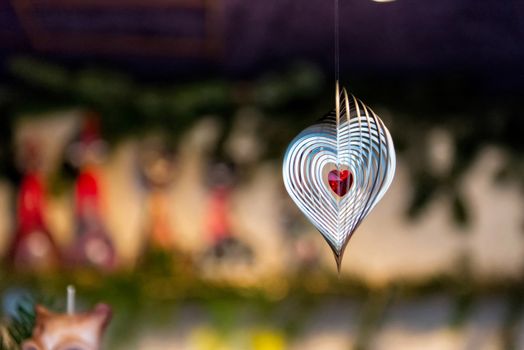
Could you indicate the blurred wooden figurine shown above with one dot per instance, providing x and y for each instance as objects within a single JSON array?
[
  {"x": 70, "y": 331},
  {"x": 92, "y": 245},
  {"x": 223, "y": 243},
  {"x": 156, "y": 165},
  {"x": 32, "y": 247}
]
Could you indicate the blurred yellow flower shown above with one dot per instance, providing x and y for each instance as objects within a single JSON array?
[{"x": 268, "y": 340}]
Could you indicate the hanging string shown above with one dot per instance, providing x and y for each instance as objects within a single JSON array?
[
  {"x": 337, "y": 73},
  {"x": 338, "y": 257},
  {"x": 337, "y": 42}
]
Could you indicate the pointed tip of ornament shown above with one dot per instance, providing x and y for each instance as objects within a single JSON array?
[{"x": 338, "y": 260}]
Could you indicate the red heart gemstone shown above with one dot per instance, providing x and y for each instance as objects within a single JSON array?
[{"x": 340, "y": 181}]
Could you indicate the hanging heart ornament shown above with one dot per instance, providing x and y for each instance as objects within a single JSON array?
[{"x": 337, "y": 170}]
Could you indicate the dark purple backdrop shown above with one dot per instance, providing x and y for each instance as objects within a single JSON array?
[{"x": 478, "y": 37}]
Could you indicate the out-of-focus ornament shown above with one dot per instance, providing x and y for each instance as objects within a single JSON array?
[
  {"x": 338, "y": 169},
  {"x": 92, "y": 245},
  {"x": 156, "y": 165},
  {"x": 226, "y": 248},
  {"x": 218, "y": 213},
  {"x": 32, "y": 247},
  {"x": 78, "y": 331}
]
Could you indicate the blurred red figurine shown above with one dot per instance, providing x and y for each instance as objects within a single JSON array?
[
  {"x": 218, "y": 223},
  {"x": 224, "y": 244},
  {"x": 92, "y": 245},
  {"x": 32, "y": 247}
]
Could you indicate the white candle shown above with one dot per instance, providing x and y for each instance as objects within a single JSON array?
[{"x": 71, "y": 299}]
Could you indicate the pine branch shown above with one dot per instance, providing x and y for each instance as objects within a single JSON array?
[{"x": 21, "y": 326}]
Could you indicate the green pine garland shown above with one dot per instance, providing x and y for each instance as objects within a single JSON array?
[{"x": 288, "y": 101}]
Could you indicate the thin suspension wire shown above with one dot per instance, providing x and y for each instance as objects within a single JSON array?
[
  {"x": 337, "y": 70},
  {"x": 337, "y": 42},
  {"x": 337, "y": 115}
]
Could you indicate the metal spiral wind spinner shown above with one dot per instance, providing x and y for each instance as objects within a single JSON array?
[{"x": 337, "y": 170}]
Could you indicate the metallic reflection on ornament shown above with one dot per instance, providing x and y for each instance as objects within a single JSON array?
[{"x": 338, "y": 169}]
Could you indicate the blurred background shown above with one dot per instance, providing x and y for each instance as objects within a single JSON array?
[{"x": 141, "y": 145}]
